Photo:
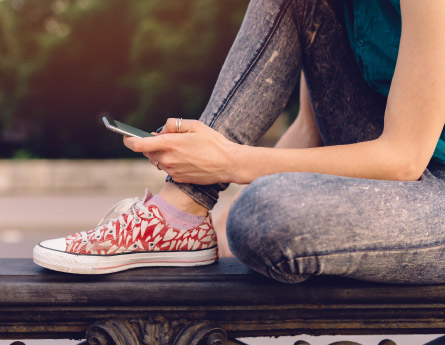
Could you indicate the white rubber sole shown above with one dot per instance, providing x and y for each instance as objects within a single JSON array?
[{"x": 103, "y": 264}]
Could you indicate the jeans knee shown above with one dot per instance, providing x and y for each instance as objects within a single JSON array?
[
  {"x": 254, "y": 228},
  {"x": 246, "y": 213},
  {"x": 239, "y": 223}
]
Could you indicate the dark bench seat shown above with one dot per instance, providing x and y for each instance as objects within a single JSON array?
[{"x": 203, "y": 305}]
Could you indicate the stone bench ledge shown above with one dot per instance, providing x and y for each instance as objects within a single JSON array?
[{"x": 38, "y": 303}]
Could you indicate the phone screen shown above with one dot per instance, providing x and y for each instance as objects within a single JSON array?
[{"x": 122, "y": 128}]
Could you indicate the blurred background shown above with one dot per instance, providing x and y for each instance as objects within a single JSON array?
[{"x": 65, "y": 62}]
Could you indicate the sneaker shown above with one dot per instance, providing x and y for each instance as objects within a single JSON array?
[{"x": 138, "y": 237}]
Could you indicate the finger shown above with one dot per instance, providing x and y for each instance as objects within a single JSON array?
[
  {"x": 152, "y": 156},
  {"x": 184, "y": 126},
  {"x": 154, "y": 159},
  {"x": 129, "y": 142},
  {"x": 149, "y": 144}
]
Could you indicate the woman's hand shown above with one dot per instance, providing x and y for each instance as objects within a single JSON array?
[{"x": 198, "y": 154}]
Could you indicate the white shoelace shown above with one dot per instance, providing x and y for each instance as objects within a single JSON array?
[{"x": 126, "y": 206}]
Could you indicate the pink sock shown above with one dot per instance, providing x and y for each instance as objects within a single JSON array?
[{"x": 174, "y": 216}]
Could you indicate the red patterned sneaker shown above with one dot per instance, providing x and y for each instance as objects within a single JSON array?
[{"x": 138, "y": 237}]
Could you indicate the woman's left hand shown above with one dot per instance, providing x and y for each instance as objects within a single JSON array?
[{"x": 198, "y": 154}]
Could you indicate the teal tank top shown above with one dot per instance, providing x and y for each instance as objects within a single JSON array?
[{"x": 374, "y": 28}]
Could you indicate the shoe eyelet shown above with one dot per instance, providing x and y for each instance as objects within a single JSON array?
[
  {"x": 137, "y": 220},
  {"x": 84, "y": 241},
  {"x": 134, "y": 246},
  {"x": 110, "y": 231},
  {"x": 151, "y": 245},
  {"x": 150, "y": 214},
  {"x": 123, "y": 225},
  {"x": 98, "y": 237}
]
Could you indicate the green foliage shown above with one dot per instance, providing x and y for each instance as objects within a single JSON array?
[
  {"x": 63, "y": 62},
  {"x": 22, "y": 154}
]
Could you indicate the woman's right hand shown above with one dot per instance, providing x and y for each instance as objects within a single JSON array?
[{"x": 198, "y": 154}]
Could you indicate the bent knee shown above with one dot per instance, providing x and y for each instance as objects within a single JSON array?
[
  {"x": 249, "y": 217},
  {"x": 255, "y": 228}
]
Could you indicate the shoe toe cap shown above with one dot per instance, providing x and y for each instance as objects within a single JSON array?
[{"x": 54, "y": 244}]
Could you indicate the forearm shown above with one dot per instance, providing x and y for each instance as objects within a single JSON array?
[{"x": 373, "y": 160}]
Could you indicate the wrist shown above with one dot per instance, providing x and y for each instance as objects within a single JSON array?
[{"x": 238, "y": 164}]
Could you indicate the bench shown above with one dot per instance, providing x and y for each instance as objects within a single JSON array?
[{"x": 204, "y": 305}]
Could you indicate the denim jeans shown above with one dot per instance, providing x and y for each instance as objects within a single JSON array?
[{"x": 292, "y": 226}]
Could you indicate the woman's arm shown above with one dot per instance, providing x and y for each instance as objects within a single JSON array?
[{"x": 414, "y": 119}]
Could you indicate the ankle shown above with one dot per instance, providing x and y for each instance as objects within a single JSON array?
[
  {"x": 173, "y": 216},
  {"x": 176, "y": 197}
]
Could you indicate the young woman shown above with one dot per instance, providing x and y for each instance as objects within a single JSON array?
[{"x": 354, "y": 188}]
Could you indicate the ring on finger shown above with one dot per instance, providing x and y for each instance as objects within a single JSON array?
[
  {"x": 178, "y": 124},
  {"x": 157, "y": 165}
]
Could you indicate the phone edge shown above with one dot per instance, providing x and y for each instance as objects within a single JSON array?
[{"x": 118, "y": 130}]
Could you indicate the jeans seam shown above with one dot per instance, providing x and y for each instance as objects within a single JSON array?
[
  {"x": 275, "y": 268},
  {"x": 368, "y": 250},
  {"x": 253, "y": 62}
]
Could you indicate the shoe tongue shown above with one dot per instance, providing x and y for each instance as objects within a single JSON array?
[{"x": 147, "y": 196}]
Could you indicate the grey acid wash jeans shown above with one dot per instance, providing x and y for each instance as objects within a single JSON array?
[{"x": 292, "y": 226}]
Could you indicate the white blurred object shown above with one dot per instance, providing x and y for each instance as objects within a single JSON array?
[{"x": 10, "y": 236}]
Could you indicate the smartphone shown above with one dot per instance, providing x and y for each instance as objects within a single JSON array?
[{"x": 124, "y": 129}]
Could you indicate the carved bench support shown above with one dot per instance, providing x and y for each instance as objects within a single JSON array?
[
  {"x": 156, "y": 331},
  {"x": 161, "y": 331}
]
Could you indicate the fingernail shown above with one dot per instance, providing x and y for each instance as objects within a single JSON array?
[{"x": 159, "y": 130}]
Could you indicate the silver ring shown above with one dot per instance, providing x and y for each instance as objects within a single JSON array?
[
  {"x": 178, "y": 124},
  {"x": 157, "y": 165}
]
